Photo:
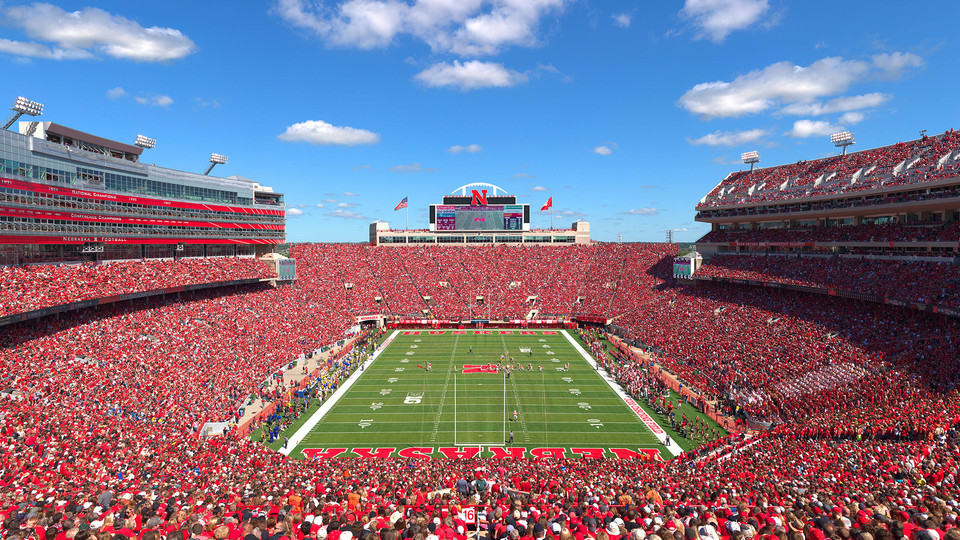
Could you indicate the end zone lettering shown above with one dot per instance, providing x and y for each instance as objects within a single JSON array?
[{"x": 471, "y": 452}]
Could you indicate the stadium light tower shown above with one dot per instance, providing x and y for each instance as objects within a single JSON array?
[
  {"x": 145, "y": 142},
  {"x": 23, "y": 106},
  {"x": 752, "y": 157},
  {"x": 215, "y": 159},
  {"x": 843, "y": 139}
]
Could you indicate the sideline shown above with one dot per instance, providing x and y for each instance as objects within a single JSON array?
[
  {"x": 645, "y": 418},
  {"x": 312, "y": 422}
]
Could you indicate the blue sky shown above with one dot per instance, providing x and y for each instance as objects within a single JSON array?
[{"x": 625, "y": 112}]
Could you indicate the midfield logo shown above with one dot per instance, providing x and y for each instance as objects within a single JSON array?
[{"x": 487, "y": 368}]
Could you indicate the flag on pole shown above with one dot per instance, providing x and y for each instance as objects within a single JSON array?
[
  {"x": 402, "y": 204},
  {"x": 547, "y": 205}
]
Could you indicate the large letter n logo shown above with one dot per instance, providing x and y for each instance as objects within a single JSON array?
[{"x": 479, "y": 197}]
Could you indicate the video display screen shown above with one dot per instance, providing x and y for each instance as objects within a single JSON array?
[{"x": 480, "y": 218}]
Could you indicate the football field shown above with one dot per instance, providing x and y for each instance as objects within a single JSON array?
[{"x": 437, "y": 393}]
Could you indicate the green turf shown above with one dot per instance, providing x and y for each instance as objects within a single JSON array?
[{"x": 397, "y": 404}]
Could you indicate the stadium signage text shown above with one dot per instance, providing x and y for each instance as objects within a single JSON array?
[
  {"x": 477, "y": 332},
  {"x": 454, "y": 452}
]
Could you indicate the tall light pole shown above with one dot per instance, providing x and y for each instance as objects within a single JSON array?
[
  {"x": 215, "y": 159},
  {"x": 843, "y": 139},
  {"x": 752, "y": 158},
  {"x": 23, "y": 106}
]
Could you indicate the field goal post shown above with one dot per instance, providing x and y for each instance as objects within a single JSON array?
[{"x": 456, "y": 437}]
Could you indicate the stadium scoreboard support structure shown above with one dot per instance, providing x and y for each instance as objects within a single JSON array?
[{"x": 479, "y": 213}]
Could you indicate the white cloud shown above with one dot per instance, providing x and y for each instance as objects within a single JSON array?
[
  {"x": 716, "y": 19},
  {"x": 329, "y": 201},
  {"x": 729, "y": 138},
  {"x": 470, "y": 75},
  {"x": 322, "y": 133},
  {"x": 784, "y": 83},
  {"x": 319, "y": 205},
  {"x": 350, "y": 194},
  {"x": 603, "y": 150},
  {"x": 463, "y": 27},
  {"x": 411, "y": 168},
  {"x": 156, "y": 100},
  {"x": 116, "y": 92},
  {"x": 840, "y": 104},
  {"x": 294, "y": 212},
  {"x": 812, "y": 128},
  {"x": 208, "y": 103},
  {"x": 622, "y": 20},
  {"x": 346, "y": 205},
  {"x": 37, "y": 50},
  {"x": 470, "y": 149},
  {"x": 89, "y": 32},
  {"x": 852, "y": 117},
  {"x": 539, "y": 188},
  {"x": 647, "y": 211},
  {"x": 896, "y": 62},
  {"x": 345, "y": 214}
]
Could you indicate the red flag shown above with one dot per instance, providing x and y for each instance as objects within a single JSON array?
[
  {"x": 548, "y": 205},
  {"x": 402, "y": 204}
]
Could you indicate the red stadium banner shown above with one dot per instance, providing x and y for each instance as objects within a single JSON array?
[
  {"x": 124, "y": 240},
  {"x": 74, "y": 216},
  {"x": 96, "y": 195}
]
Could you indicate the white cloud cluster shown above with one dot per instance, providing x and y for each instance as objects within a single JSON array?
[
  {"x": 784, "y": 83},
  {"x": 539, "y": 188},
  {"x": 116, "y": 92},
  {"x": 646, "y": 211},
  {"x": 345, "y": 214},
  {"x": 729, "y": 138},
  {"x": 462, "y": 27},
  {"x": 470, "y": 149},
  {"x": 411, "y": 168},
  {"x": 716, "y": 19},
  {"x": 321, "y": 133},
  {"x": 89, "y": 33},
  {"x": 156, "y": 100},
  {"x": 603, "y": 150},
  {"x": 294, "y": 212},
  {"x": 812, "y": 128},
  {"x": 470, "y": 75},
  {"x": 622, "y": 19},
  {"x": 838, "y": 105}
]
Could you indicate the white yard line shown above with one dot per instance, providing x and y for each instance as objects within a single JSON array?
[
  {"x": 645, "y": 418},
  {"x": 312, "y": 422}
]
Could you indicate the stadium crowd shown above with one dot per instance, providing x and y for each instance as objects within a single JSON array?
[
  {"x": 99, "y": 432},
  {"x": 27, "y": 288},
  {"x": 925, "y": 282},
  {"x": 905, "y": 163}
]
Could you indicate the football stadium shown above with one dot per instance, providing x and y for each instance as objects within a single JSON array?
[{"x": 188, "y": 356}]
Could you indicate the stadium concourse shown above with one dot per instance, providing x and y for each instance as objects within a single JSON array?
[{"x": 100, "y": 426}]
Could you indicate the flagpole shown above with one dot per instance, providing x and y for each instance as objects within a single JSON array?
[{"x": 408, "y": 215}]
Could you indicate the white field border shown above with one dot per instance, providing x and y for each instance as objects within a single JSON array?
[
  {"x": 645, "y": 418},
  {"x": 312, "y": 422}
]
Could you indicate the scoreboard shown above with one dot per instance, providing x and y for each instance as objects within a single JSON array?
[{"x": 493, "y": 217}]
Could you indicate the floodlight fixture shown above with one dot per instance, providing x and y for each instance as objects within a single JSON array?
[
  {"x": 215, "y": 159},
  {"x": 752, "y": 158},
  {"x": 843, "y": 139},
  {"x": 23, "y": 106},
  {"x": 145, "y": 142}
]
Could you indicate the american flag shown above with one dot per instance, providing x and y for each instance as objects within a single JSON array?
[{"x": 402, "y": 204}]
